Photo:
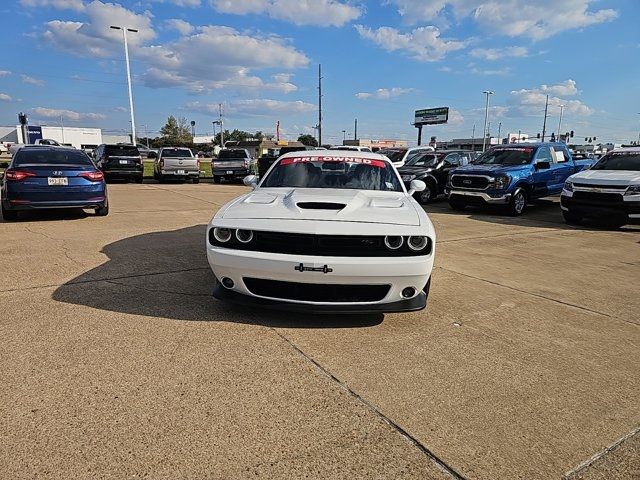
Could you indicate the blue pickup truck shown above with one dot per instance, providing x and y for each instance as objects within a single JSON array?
[{"x": 510, "y": 175}]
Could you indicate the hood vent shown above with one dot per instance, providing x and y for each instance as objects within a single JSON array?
[{"x": 321, "y": 205}]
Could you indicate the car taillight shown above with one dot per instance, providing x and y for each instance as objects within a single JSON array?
[
  {"x": 93, "y": 176},
  {"x": 17, "y": 175}
]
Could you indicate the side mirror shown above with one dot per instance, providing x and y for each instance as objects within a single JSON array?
[
  {"x": 544, "y": 165},
  {"x": 152, "y": 154},
  {"x": 416, "y": 186},
  {"x": 250, "y": 181}
]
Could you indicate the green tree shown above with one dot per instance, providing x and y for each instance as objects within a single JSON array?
[
  {"x": 308, "y": 140},
  {"x": 176, "y": 131}
]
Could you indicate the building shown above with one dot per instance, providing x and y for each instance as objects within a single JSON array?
[
  {"x": 376, "y": 144},
  {"x": 76, "y": 137},
  {"x": 473, "y": 144}
]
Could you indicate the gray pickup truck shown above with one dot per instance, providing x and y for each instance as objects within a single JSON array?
[
  {"x": 231, "y": 164},
  {"x": 177, "y": 163}
]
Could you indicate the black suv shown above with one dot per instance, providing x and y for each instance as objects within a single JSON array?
[
  {"x": 119, "y": 161},
  {"x": 433, "y": 168}
]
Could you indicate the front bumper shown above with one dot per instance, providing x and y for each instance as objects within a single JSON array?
[
  {"x": 177, "y": 173},
  {"x": 628, "y": 208},
  {"x": 231, "y": 172},
  {"x": 472, "y": 197},
  {"x": 396, "y": 272}
]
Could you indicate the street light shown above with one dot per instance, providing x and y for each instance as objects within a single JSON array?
[
  {"x": 344, "y": 136},
  {"x": 126, "y": 58},
  {"x": 560, "y": 121},
  {"x": 486, "y": 116}
]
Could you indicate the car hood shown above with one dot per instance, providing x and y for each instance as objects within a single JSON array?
[
  {"x": 325, "y": 204},
  {"x": 488, "y": 169},
  {"x": 607, "y": 177},
  {"x": 411, "y": 170}
]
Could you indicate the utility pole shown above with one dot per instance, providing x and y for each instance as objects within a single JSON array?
[
  {"x": 319, "y": 105},
  {"x": 560, "y": 121},
  {"x": 126, "y": 58},
  {"x": 355, "y": 130},
  {"x": 499, "y": 133},
  {"x": 473, "y": 138},
  {"x": 221, "y": 123},
  {"x": 544, "y": 124},
  {"x": 344, "y": 136},
  {"x": 486, "y": 116},
  {"x": 146, "y": 134},
  {"x": 62, "y": 127}
]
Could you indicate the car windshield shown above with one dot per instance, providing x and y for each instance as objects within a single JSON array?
[
  {"x": 505, "y": 156},
  {"x": 393, "y": 155},
  {"x": 122, "y": 151},
  {"x": 619, "y": 161},
  {"x": 231, "y": 154},
  {"x": 342, "y": 172},
  {"x": 423, "y": 160},
  {"x": 28, "y": 156},
  {"x": 176, "y": 152}
]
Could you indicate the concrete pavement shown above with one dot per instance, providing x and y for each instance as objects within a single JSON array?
[{"x": 116, "y": 361}]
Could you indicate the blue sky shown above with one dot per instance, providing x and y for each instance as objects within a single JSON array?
[{"x": 381, "y": 60}]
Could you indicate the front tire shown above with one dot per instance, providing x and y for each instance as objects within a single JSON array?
[
  {"x": 196, "y": 180},
  {"x": 427, "y": 195},
  {"x": 9, "y": 215},
  {"x": 217, "y": 179},
  {"x": 518, "y": 203},
  {"x": 571, "y": 218},
  {"x": 139, "y": 179},
  {"x": 456, "y": 204}
]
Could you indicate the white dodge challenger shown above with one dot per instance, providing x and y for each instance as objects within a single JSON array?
[{"x": 324, "y": 232}]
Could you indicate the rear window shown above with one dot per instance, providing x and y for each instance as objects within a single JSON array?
[
  {"x": 28, "y": 156},
  {"x": 231, "y": 154},
  {"x": 619, "y": 161},
  {"x": 176, "y": 152},
  {"x": 121, "y": 150}
]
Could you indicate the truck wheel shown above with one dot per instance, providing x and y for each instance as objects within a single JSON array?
[
  {"x": 196, "y": 179},
  {"x": 457, "y": 204},
  {"x": 9, "y": 215},
  {"x": 571, "y": 218},
  {"x": 103, "y": 210},
  {"x": 518, "y": 202},
  {"x": 427, "y": 195},
  {"x": 139, "y": 179},
  {"x": 216, "y": 179}
]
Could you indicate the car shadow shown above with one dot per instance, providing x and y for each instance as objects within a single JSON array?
[
  {"x": 166, "y": 275},
  {"x": 52, "y": 215},
  {"x": 543, "y": 212}
]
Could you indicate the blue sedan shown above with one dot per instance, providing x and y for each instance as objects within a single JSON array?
[{"x": 42, "y": 177}]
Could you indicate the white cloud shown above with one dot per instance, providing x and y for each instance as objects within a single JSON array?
[
  {"x": 325, "y": 13},
  {"x": 539, "y": 19},
  {"x": 185, "y": 28},
  {"x": 492, "y": 54},
  {"x": 32, "y": 80},
  {"x": 567, "y": 87},
  {"x": 181, "y": 3},
  {"x": 531, "y": 102},
  {"x": 60, "y": 4},
  {"x": 67, "y": 114},
  {"x": 254, "y": 107},
  {"x": 202, "y": 58},
  {"x": 423, "y": 43},
  {"x": 498, "y": 71},
  {"x": 384, "y": 93},
  {"x": 4, "y": 73},
  {"x": 5, "y": 98}
]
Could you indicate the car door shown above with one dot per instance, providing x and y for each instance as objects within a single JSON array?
[
  {"x": 451, "y": 162},
  {"x": 563, "y": 168},
  {"x": 542, "y": 177}
]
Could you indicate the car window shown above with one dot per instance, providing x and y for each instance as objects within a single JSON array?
[
  {"x": 544, "y": 155},
  {"x": 629, "y": 161},
  {"x": 231, "y": 154},
  {"x": 465, "y": 159},
  {"x": 452, "y": 160},
  {"x": 121, "y": 150},
  {"x": 50, "y": 156},
  {"x": 176, "y": 152},
  {"x": 393, "y": 155},
  {"x": 560, "y": 155},
  {"x": 423, "y": 160},
  {"x": 343, "y": 172}
]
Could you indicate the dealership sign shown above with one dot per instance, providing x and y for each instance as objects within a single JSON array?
[{"x": 432, "y": 116}]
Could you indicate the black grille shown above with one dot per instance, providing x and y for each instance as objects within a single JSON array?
[
  {"x": 469, "y": 181},
  {"x": 598, "y": 198},
  {"x": 591, "y": 185},
  {"x": 321, "y": 245},
  {"x": 316, "y": 292}
]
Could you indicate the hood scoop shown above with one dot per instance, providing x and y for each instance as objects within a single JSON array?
[{"x": 320, "y": 205}]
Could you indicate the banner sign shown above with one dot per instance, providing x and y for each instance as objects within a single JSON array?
[{"x": 432, "y": 116}]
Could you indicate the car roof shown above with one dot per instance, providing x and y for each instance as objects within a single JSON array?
[
  {"x": 49, "y": 147},
  {"x": 626, "y": 150},
  {"x": 327, "y": 153}
]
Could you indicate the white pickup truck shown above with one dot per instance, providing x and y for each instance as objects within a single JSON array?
[
  {"x": 41, "y": 141},
  {"x": 609, "y": 190},
  {"x": 177, "y": 163}
]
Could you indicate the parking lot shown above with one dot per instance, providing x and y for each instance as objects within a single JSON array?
[{"x": 117, "y": 361}]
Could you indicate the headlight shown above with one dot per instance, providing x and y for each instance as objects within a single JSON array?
[
  {"x": 244, "y": 236},
  {"x": 417, "y": 243},
  {"x": 568, "y": 186},
  {"x": 223, "y": 235},
  {"x": 633, "y": 190},
  {"x": 393, "y": 242},
  {"x": 502, "y": 181}
]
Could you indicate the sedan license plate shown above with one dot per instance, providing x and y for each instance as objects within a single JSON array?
[
  {"x": 180, "y": 172},
  {"x": 124, "y": 162},
  {"x": 57, "y": 181},
  {"x": 229, "y": 172}
]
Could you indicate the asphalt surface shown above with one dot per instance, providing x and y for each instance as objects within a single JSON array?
[{"x": 115, "y": 360}]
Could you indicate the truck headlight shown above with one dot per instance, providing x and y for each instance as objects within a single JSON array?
[
  {"x": 568, "y": 186},
  {"x": 502, "y": 181},
  {"x": 633, "y": 190}
]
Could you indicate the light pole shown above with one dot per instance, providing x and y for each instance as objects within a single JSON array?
[
  {"x": 473, "y": 138},
  {"x": 639, "y": 133},
  {"x": 486, "y": 116},
  {"x": 126, "y": 58},
  {"x": 560, "y": 121},
  {"x": 544, "y": 125},
  {"x": 344, "y": 136},
  {"x": 62, "y": 128}
]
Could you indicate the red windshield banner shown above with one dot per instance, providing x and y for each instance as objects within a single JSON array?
[{"x": 363, "y": 161}]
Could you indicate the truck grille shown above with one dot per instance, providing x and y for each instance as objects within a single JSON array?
[
  {"x": 475, "y": 182},
  {"x": 598, "y": 198},
  {"x": 316, "y": 292},
  {"x": 320, "y": 245}
]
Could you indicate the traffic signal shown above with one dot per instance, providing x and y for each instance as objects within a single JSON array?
[
  {"x": 22, "y": 118},
  {"x": 538, "y": 135},
  {"x": 571, "y": 133}
]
